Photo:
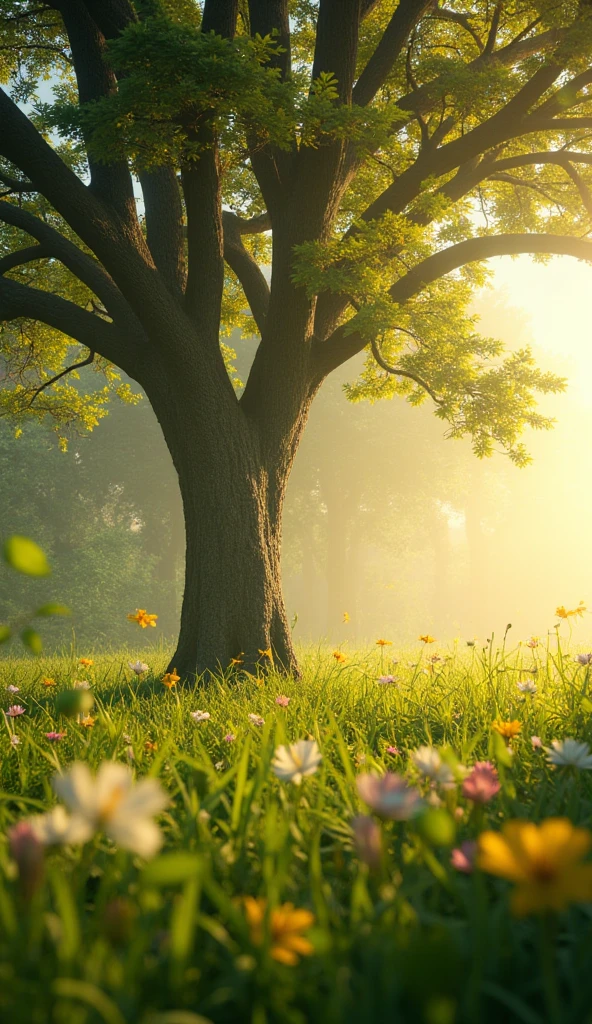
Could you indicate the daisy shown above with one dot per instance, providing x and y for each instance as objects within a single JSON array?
[
  {"x": 427, "y": 760},
  {"x": 292, "y": 763},
  {"x": 569, "y": 753}
]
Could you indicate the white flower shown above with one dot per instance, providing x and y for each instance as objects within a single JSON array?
[
  {"x": 427, "y": 760},
  {"x": 111, "y": 802},
  {"x": 569, "y": 752},
  {"x": 14, "y": 740},
  {"x": 200, "y": 716},
  {"x": 138, "y": 667},
  {"x": 57, "y": 828},
  {"x": 527, "y": 686},
  {"x": 584, "y": 659},
  {"x": 81, "y": 684},
  {"x": 292, "y": 763},
  {"x": 13, "y": 689},
  {"x": 219, "y": 766},
  {"x": 256, "y": 720}
]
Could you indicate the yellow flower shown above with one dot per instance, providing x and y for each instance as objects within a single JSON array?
[
  {"x": 87, "y": 721},
  {"x": 507, "y": 729},
  {"x": 427, "y": 639},
  {"x": 384, "y": 643},
  {"x": 544, "y": 862},
  {"x": 266, "y": 653},
  {"x": 563, "y": 613},
  {"x": 49, "y": 682},
  {"x": 346, "y": 616},
  {"x": 87, "y": 662},
  {"x": 237, "y": 661},
  {"x": 170, "y": 679},
  {"x": 143, "y": 618},
  {"x": 339, "y": 657},
  {"x": 286, "y": 924}
]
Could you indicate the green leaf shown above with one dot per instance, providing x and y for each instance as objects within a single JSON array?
[
  {"x": 437, "y": 827},
  {"x": 53, "y": 609},
  {"x": 32, "y": 640},
  {"x": 24, "y": 555},
  {"x": 72, "y": 988},
  {"x": 5, "y": 634},
  {"x": 171, "y": 869}
]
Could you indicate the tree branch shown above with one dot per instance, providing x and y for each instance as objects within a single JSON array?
[
  {"x": 22, "y": 256},
  {"x": 397, "y": 371},
  {"x": 69, "y": 369},
  {"x": 406, "y": 16},
  {"x": 336, "y": 46},
  {"x": 246, "y": 269},
  {"x": 271, "y": 16},
  {"x": 164, "y": 225},
  {"x": 444, "y": 14}
]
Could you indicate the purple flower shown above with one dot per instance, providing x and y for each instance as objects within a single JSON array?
[
  {"x": 393, "y": 750},
  {"x": 230, "y": 737},
  {"x": 463, "y": 857},
  {"x": 389, "y": 796},
  {"x": 54, "y": 737},
  {"x": 482, "y": 784},
  {"x": 14, "y": 711},
  {"x": 282, "y": 701}
]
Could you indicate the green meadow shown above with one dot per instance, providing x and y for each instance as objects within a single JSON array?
[{"x": 268, "y": 899}]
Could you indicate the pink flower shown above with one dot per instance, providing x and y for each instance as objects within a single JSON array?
[
  {"x": 393, "y": 750},
  {"x": 367, "y": 840},
  {"x": 482, "y": 784},
  {"x": 463, "y": 857},
  {"x": 54, "y": 737},
  {"x": 27, "y": 850},
  {"x": 230, "y": 737},
  {"x": 14, "y": 711},
  {"x": 389, "y": 796},
  {"x": 256, "y": 720},
  {"x": 13, "y": 689},
  {"x": 537, "y": 742},
  {"x": 387, "y": 680},
  {"x": 282, "y": 701}
]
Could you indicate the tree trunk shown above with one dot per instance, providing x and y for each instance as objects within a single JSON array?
[{"x": 232, "y": 491}]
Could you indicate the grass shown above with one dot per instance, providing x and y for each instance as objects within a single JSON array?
[{"x": 107, "y": 937}]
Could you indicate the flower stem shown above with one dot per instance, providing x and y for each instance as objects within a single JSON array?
[{"x": 548, "y": 969}]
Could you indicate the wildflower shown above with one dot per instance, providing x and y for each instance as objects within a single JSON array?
[
  {"x": 389, "y": 796},
  {"x": 584, "y": 659},
  {"x": 387, "y": 680},
  {"x": 138, "y": 667},
  {"x": 544, "y": 861},
  {"x": 384, "y": 643},
  {"x": 14, "y": 740},
  {"x": 256, "y": 720},
  {"x": 55, "y": 737},
  {"x": 14, "y": 711},
  {"x": 339, "y": 657},
  {"x": 570, "y": 753},
  {"x": 237, "y": 661},
  {"x": 282, "y": 701},
  {"x": 346, "y": 617},
  {"x": 81, "y": 684},
  {"x": 13, "y": 689},
  {"x": 49, "y": 682},
  {"x": 87, "y": 721},
  {"x": 219, "y": 766},
  {"x": 111, "y": 802},
  {"x": 427, "y": 639},
  {"x": 56, "y": 828},
  {"x": 428, "y": 761},
  {"x": 86, "y": 662},
  {"x": 292, "y": 763},
  {"x": 463, "y": 857},
  {"x": 360, "y": 759},
  {"x": 393, "y": 750},
  {"x": 533, "y": 642},
  {"x": 170, "y": 679},
  {"x": 367, "y": 840},
  {"x": 26, "y": 850},
  {"x": 143, "y": 618},
  {"x": 230, "y": 737},
  {"x": 200, "y": 716},
  {"x": 266, "y": 653},
  {"x": 563, "y": 613},
  {"x": 150, "y": 746},
  {"x": 482, "y": 784},
  {"x": 536, "y": 742},
  {"x": 527, "y": 686},
  {"x": 507, "y": 729},
  {"x": 286, "y": 924}
]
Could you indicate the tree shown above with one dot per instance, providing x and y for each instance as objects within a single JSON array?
[{"x": 377, "y": 152}]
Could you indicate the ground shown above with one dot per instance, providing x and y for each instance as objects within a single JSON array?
[{"x": 391, "y": 929}]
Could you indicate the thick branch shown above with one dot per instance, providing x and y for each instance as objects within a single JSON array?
[
  {"x": 336, "y": 47},
  {"x": 164, "y": 225},
  {"x": 271, "y": 16},
  {"x": 22, "y": 256},
  {"x": 246, "y": 269},
  {"x": 406, "y": 16},
  {"x": 19, "y": 300}
]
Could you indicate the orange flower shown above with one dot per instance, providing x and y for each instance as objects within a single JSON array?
[
  {"x": 339, "y": 657},
  {"x": 564, "y": 613},
  {"x": 266, "y": 653},
  {"x": 237, "y": 661},
  {"x": 384, "y": 643},
  {"x": 170, "y": 679},
  {"x": 149, "y": 745},
  {"x": 143, "y": 618},
  {"x": 87, "y": 662},
  {"x": 507, "y": 729},
  {"x": 286, "y": 924},
  {"x": 49, "y": 682},
  {"x": 87, "y": 721},
  {"x": 427, "y": 639}
]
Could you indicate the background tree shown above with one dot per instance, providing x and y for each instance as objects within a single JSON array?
[{"x": 376, "y": 152}]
